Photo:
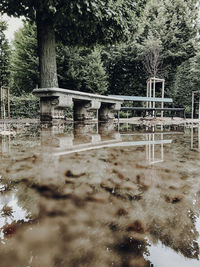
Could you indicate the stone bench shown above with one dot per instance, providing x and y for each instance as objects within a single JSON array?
[{"x": 53, "y": 102}]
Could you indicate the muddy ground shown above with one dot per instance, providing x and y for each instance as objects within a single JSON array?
[{"x": 96, "y": 208}]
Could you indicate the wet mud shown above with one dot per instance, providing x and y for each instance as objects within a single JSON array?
[{"x": 95, "y": 196}]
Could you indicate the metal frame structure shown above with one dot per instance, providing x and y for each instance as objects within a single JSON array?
[
  {"x": 4, "y": 99},
  {"x": 193, "y": 95},
  {"x": 151, "y": 92}
]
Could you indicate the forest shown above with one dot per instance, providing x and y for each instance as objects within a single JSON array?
[{"x": 104, "y": 47}]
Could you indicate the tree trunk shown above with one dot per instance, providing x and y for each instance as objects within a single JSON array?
[{"x": 47, "y": 52}]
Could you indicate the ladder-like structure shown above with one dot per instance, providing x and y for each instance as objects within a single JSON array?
[{"x": 151, "y": 92}]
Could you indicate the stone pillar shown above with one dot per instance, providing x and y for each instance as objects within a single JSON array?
[
  {"x": 52, "y": 108},
  {"x": 107, "y": 110},
  {"x": 84, "y": 110}
]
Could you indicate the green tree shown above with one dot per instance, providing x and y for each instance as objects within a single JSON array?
[
  {"x": 24, "y": 61},
  {"x": 166, "y": 37},
  {"x": 82, "y": 69},
  {"x": 81, "y": 21},
  {"x": 124, "y": 69},
  {"x": 4, "y": 55},
  {"x": 187, "y": 79},
  {"x": 182, "y": 87},
  {"x": 175, "y": 25},
  {"x": 78, "y": 68}
]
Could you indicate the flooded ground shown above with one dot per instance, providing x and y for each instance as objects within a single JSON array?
[{"x": 100, "y": 195}]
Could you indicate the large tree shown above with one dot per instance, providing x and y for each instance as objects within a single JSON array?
[
  {"x": 79, "y": 68},
  {"x": 76, "y": 21}
]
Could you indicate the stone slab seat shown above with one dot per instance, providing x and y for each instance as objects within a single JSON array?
[{"x": 53, "y": 101}]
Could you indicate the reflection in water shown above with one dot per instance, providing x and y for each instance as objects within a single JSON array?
[
  {"x": 87, "y": 137},
  {"x": 195, "y": 142},
  {"x": 5, "y": 144},
  {"x": 123, "y": 196},
  {"x": 11, "y": 211}
]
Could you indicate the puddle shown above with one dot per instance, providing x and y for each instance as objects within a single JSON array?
[{"x": 100, "y": 195}]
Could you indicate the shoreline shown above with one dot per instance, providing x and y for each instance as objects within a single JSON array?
[{"x": 147, "y": 121}]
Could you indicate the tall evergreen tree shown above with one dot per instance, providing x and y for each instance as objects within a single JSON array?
[
  {"x": 81, "y": 69},
  {"x": 124, "y": 69},
  {"x": 4, "y": 55},
  {"x": 24, "y": 60},
  {"x": 187, "y": 79}
]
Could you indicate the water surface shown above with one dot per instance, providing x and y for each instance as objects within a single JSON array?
[{"x": 100, "y": 195}]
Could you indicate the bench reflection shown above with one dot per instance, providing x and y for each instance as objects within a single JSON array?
[{"x": 85, "y": 137}]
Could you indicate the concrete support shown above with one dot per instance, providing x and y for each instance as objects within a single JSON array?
[
  {"x": 85, "y": 110},
  {"x": 52, "y": 108},
  {"x": 107, "y": 111}
]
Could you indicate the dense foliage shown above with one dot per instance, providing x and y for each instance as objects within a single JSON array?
[
  {"x": 83, "y": 20},
  {"x": 78, "y": 68},
  {"x": 25, "y": 106},
  {"x": 81, "y": 69},
  {"x": 4, "y": 55},
  {"x": 175, "y": 25},
  {"x": 125, "y": 70},
  {"x": 24, "y": 61},
  {"x": 187, "y": 79}
]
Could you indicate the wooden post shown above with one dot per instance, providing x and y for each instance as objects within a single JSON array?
[
  {"x": 8, "y": 103},
  {"x": 150, "y": 89},
  {"x": 154, "y": 94},
  {"x": 192, "y": 136},
  {"x": 199, "y": 106},
  {"x": 1, "y": 101},
  {"x": 163, "y": 91},
  {"x": 147, "y": 103},
  {"x": 4, "y": 107},
  {"x": 147, "y": 94},
  {"x": 192, "y": 105},
  {"x": 199, "y": 137}
]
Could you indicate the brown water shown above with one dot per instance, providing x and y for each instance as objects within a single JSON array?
[{"x": 100, "y": 195}]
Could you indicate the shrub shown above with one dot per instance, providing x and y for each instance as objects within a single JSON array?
[{"x": 25, "y": 106}]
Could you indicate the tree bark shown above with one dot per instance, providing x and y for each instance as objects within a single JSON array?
[{"x": 47, "y": 52}]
